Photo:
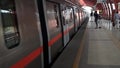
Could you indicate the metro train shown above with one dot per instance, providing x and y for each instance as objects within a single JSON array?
[{"x": 33, "y": 32}]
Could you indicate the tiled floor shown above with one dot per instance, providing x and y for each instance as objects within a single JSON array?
[{"x": 102, "y": 47}]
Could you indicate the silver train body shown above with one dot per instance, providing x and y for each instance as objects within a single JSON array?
[{"x": 34, "y": 32}]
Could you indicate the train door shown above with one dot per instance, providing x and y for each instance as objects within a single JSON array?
[
  {"x": 76, "y": 17},
  {"x": 54, "y": 30},
  {"x": 71, "y": 22},
  {"x": 65, "y": 26},
  {"x": 79, "y": 17}
]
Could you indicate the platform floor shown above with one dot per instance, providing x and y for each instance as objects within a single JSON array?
[{"x": 92, "y": 48}]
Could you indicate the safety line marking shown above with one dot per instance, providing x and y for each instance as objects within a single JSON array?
[{"x": 80, "y": 50}]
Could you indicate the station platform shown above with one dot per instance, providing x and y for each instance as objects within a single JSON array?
[{"x": 92, "y": 48}]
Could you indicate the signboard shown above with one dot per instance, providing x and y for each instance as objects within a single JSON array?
[{"x": 101, "y": 1}]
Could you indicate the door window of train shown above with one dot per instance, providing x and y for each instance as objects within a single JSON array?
[
  {"x": 68, "y": 15},
  {"x": 53, "y": 17},
  {"x": 9, "y": 21},
  {"x": 76, "y": 15},
  {"x": 63, "y": 14},
  {"x": 56, "y": 15}
]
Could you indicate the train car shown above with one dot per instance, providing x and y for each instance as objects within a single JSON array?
[
  {"x": 20, "y": 34},
  {"x": 34, "y": 32},
  {"x": 62, "y": 22}
]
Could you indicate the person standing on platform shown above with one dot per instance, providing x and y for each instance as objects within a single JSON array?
[
  {"x": 100, "y": 20},
  {"x": 96, "y": 18},
  {"x": 116, "y": 20}
]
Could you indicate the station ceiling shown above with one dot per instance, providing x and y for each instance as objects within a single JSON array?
[{"x": 87, "y": 2}]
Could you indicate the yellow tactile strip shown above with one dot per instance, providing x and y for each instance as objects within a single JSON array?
[{"x": 79, "y": 53}]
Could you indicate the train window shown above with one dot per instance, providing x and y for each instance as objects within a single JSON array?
[
  {"x": 9, "y": 21},
  {"x": 67, "y": 15},
  {"x": 63, "y": 15},
  {"x": 71, "y": 19},
  {"x": 56, "y": 15}
]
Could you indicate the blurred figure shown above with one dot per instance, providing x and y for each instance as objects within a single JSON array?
[
  {"x": 99, "y": 20},
  {"x": 116, "y": 19},
  {"x": 91, "y": 15},
  {"x": 96, "y": 18}
]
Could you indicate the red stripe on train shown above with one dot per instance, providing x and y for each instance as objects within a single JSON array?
[
  {"x": 26, "y": 60},
  {"x": 52, "y": 41}
]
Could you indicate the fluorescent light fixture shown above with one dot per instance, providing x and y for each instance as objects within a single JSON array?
[
  {"x": 5, "y": 11},
  {"x": 113, "y": 6},
  {"x": 87, "y": 9}
]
